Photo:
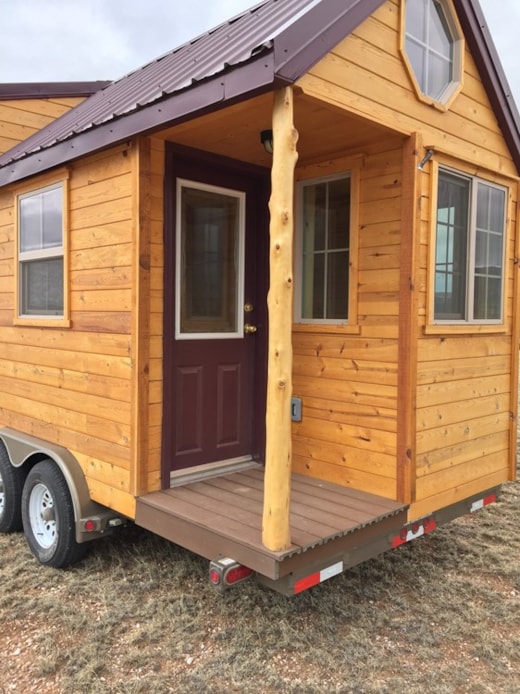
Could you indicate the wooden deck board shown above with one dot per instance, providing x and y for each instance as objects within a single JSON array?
[
  {"x": 234, "y": 505},
  {"x": 223, "y": 515}
]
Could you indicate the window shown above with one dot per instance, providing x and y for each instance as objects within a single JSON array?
[
  {"x": 325, "y": 250},
  {"x": 40, "y": 253},
  {"x": 209, "y": 261},
  {"x": 432, "y": 48},
  {"x": 469, "y": 249}
]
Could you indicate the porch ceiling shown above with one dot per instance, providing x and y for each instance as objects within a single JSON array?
[{"x": 324, "y": 131}]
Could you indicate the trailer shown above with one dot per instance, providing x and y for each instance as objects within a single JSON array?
[{"x": 260, "y": 296}]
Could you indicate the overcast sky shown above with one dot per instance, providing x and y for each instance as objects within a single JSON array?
[{"x": 76, "y": 40}]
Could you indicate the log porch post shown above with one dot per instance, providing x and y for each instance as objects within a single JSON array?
[{"x": 276, "y": 534}]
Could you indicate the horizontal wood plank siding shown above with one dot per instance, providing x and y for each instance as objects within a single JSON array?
[
  {"x": 21, "y": 118},
  {"x": 74, "y": 386},
  {"x": 348, "y": 382},
  {"x": 365, "y": 73},
  {"x": 465, "y": 383}
]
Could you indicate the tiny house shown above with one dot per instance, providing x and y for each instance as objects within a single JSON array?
[{"x": 260, "y": 296}]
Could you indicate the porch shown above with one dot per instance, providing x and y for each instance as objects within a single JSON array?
[{"x": 222, "y": 516}]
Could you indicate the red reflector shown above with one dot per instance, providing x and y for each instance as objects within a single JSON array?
[
  {"x": 490, "y": 499},
  {"x": 214, "y": 577},
  {"x": 237, "y": 574},
  {"x": 411, "y": 532},
  {"x": 89, "y": 526},
  {"x": 306, "y": 582}
]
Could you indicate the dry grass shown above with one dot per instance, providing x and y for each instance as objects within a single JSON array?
[{"x": 440, "y": 615}]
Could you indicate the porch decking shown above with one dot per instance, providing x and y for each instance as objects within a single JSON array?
[{"x": 222, "y": 515}]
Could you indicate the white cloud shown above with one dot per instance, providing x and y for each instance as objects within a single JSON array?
[{"x": 60, "y": 40}]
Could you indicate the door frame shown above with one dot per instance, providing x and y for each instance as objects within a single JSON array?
[{"x": 185, "y": 162}]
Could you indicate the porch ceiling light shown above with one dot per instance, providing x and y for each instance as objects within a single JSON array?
[{"x": 266, "y": 138}]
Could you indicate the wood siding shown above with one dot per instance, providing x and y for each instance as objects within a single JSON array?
[
  {"x": 155, "y": 383},
  {"x": 347, "y": 378},
  {"x": 366, "y": 75},
  {"x": 20, "y": 118},
  {"x": 75, "y": 386},
  {"x": 360, "y": 415},
  {"x": 429, "y": 430}
]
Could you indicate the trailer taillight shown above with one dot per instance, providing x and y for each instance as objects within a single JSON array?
[
  {"x": 225, "y": 572},
  {"x": 414, "y": 530}
]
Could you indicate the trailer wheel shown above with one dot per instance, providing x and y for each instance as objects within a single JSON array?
[
  {"x": 48, "y": 517},
  {"x": 11, "y": 485}
]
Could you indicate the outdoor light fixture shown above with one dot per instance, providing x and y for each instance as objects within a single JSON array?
[
  {"x": 266, "y": 138},
  {"x": 429, "y": 154}
]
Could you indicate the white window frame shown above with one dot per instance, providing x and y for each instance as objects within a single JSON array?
[
  {"x": 241, "y": 197},
  {"x": 474, "y": 181},
  {"x": 50, "y": 253},
  {"x": 299, "y": 244},
  {"x": 453, "y": 88}
]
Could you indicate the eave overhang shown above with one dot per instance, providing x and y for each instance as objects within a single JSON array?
[
  {"x": 250, "y": 80},
  {"x": 282, "y": 60}
]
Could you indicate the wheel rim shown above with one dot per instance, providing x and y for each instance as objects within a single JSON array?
[
  {"x": 2, "y": 495},
  {"x": 42, "y": 515}
]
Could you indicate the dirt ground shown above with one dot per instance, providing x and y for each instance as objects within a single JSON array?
[{"x": 441, "y": 614}]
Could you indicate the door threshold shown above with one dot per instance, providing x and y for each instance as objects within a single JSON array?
[{"x": 202, "y": 472}]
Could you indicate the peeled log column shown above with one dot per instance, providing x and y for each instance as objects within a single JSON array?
[{"x": 276, "y": 533}]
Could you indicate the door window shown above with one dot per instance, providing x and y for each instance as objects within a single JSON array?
[{"x": 210, "y": 261}]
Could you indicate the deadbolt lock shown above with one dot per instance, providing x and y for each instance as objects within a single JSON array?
[{"x": 249, "y": 308}]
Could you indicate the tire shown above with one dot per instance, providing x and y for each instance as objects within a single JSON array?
[
  {"x": 48, "y": 517},
  {"x": 11, "y": 485}
]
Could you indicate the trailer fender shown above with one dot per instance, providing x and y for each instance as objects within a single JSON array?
[{"x": 92, "y": 519}]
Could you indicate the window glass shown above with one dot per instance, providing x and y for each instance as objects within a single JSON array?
[
  {"x": 41, "y": 220},
  {"x": 40, "y": 252},
  {"x": 42, "y": 282},
  {"x": 326, "y": 249},
  {"x": 210, "y": 238},
  {"x": 451, "y": 248},
  {"x": 489, "y": 252},
  {"x": 429, "y": 45},
  {"x": 469, "y": 252}
]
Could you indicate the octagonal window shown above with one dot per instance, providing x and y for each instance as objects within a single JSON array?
[{"x": 432, "y": 47}]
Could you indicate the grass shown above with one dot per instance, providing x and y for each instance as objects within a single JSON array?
[{"x": 441, "y": 614}]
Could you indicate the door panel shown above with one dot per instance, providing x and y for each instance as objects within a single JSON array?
[
  {"x": 214, "y": 376},
  {"x": 229, "y": 389}
]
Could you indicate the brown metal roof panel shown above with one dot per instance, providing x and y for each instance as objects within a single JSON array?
[
  {"x": 301, "y": 45},
  {"x": 230, "y": 44},
  {"x": 226, "y": 46},
  {"x": 199, "y": 99}
]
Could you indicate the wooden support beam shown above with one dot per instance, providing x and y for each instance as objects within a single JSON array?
[
  {"x": 276, "y": 534},
  {"x": 409, "y": 318}
]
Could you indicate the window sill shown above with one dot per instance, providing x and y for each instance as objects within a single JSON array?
[
  {"x": 326, "y": 328},
  {"x": 43, "y": 322},
  {"x": 466, "y": 329}
]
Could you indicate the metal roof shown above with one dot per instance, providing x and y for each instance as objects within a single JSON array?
[
  {"x": 271, "y": 44},
  {"x": 228, "y": 45}
]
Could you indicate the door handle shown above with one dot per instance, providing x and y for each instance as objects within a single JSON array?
[{"x": 250, "y": 329}]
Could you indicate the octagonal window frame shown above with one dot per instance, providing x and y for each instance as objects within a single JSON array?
[{"x": 443, "y": 99}]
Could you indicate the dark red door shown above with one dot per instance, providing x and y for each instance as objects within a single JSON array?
[{"x": 215, "y": 312}]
